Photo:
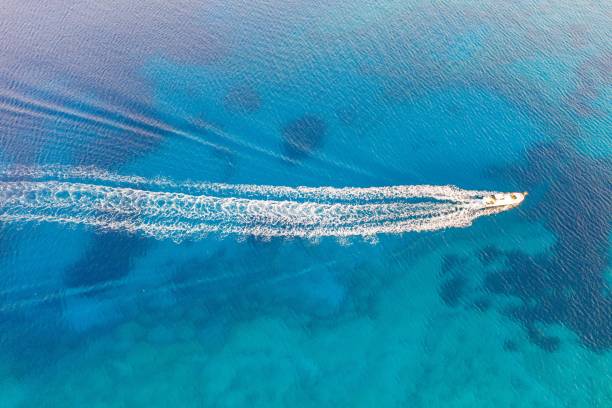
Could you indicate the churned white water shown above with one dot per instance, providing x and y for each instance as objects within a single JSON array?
[{"x": 164, "y": 209}]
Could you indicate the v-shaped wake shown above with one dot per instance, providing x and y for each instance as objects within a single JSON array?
[{"x": 164, "y": 209}]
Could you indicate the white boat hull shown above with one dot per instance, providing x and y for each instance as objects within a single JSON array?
[{"x": 504, "y": 199}]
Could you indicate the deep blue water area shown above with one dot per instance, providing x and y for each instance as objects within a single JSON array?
[{"x": 513, "y": 310}]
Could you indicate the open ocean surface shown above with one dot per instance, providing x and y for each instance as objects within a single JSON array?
[{"x": 514, "y": 310}]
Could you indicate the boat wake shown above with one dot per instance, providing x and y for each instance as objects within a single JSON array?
[{"x": 164, "y": 209}]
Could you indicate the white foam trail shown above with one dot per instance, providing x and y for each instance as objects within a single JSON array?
[
  {"x": 89, "y": 196},
  {"x": 60, "y": 172}
]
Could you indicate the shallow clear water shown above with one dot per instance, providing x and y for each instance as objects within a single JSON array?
[{"x": 514, "y": 309}]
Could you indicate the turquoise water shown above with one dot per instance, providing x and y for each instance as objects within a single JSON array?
[{"x": 510, "y": 309}]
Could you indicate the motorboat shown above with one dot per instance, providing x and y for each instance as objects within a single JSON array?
[{"x": 504, "y": 199}]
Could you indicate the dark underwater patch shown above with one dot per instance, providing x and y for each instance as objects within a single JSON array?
[
  {"x": 302, "y": 136},
  {"x": 510, "y": 346},
  {"x": 567, "y": 284},
  {"x": 242, "y": 99},
  {"x": 524, "y": 277},
  {"x": 452, "y": 262},
  {"x": 489, "y": 254},
  {"x": 482, "y": 304},
  {"x": 546, "y": 343},
  {"x": 452, "y": 290},
  {"x": 108, "y": 258}
]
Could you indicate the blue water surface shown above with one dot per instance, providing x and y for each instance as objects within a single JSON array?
[{"x": 515, "y": 310}]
